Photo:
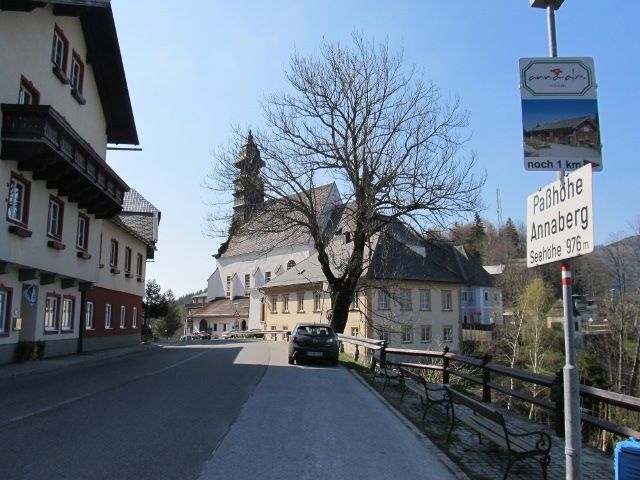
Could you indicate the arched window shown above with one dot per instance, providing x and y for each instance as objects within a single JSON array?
[{"x": 291, "y": 264}]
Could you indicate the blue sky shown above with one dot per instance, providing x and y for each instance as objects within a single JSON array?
[{"x": 195, "y": 69}]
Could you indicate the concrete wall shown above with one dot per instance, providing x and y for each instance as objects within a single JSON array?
[
  {"x": 32, "y": 32},
  {"x": 102, "y": 343}
]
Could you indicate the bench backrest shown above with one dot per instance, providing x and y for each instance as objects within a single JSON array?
[{"x": 483, "y": 409}]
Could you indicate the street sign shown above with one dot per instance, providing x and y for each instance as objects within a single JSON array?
[
  {"x": 560, "y": 219},
  {"x": 560, "y": 121}
]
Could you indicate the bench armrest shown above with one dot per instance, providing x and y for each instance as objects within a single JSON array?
[{"x": 543, "y": 443}]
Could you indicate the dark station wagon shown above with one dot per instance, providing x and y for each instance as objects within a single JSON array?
[{"x": 312, "y": 341}]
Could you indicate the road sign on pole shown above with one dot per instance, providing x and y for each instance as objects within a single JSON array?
[
  {"x": 560, "y": 219},
  {"x": 560, "y": 121}
]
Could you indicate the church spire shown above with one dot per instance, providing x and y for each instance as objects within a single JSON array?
[{"x": 248, "y": 186}]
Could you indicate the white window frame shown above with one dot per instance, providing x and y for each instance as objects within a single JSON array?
[
  {"x": 405, "y": 299},
  {"x": 82, "y": 239},
  {"x": 447, "y": 334},
  {"x": 407, "y": 334},
  {"x": 54, "y": 218},
  {"x": 26, "y": 96},
  {"x": 267, "y": 277},
  {"x": 127, "y": 259},
  {"x": 301, "y": 302},
  {"x": 355, "y": 331},
  {"x": 425, "y": 334},
  {"x": 273, "y": 335},
  {"x": 76, "y": 73},
  {"x": 113, "y": 253},
  {"x": 285, "y": 303},
  {"x": 108, "y": 320},
  {"x": 274, "y": 304},
  {"x": 67, "y": 313},
  {"x": 17, "y": 200},
  {"x": 383, "y": 299},
  {"x": 447, "y": 301},
  {"x": 134, "y": 317},
  {"x": 123, "y": 316},
  {"x": 425, "y": 299},
  {"x": 60, "y": 47},
  {"x": 139, "y": 262},
  {"x": 51, "y": 313},
  {"x": 89, "y": 316},
  {"x": 317, "y": 302}
]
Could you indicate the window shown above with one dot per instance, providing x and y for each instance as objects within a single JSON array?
[
  {"x": 383, "y": 300},
  {"x": 267, "y": 277},
  {"x": 127, "y": 260},
  {"x": 134, "y": 318},
  {"x": 227, "y": 291},
  {"x": 54, "y": 220},
  {"x": 273, "y": 335},
  {"x": 486, "y": 296},
  {"x": 316, "y": 301},
  {"x": 107, "y": 316},
  {"x": 425, "y": 299},
  {"x": 60, "y": 51},
  {"x": 247, "y": 279},
  {"x": 446, "y": 300},
  {"x": 18, "y": 201},
  {"x": 407, "y": 334},
  {"x": 425, "y": 333},
  {"x": 291, "y": 264},
  {"x": 354, "y": 331},
  {"x": 139, "y": 266},
  {"x": 447, "y": 334},
  {"x": 301, "y": 302},
  {"x": 5, "y": 309},
  {"x": 51, "y": 313},
  {"x": 123, "y": 316},
  {"x": 77, "y": 78},
  {"x": 88, "y": 316},
  {"x": 285, "y": 303},
  {"x": 274, "y": 302},
  {"x": 82, "y": 240},
  {"x": 465, "y": 296},
  {"x": 405, "y": 299},
  {"x": 113, "y": 255},
  {"x": 67, "y": 314},
  {"x": 28, "y": 95},
  {"x": 383, "y": 335}
]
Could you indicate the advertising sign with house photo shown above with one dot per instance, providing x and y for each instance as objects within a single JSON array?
[{"x": 560, "y": 123}]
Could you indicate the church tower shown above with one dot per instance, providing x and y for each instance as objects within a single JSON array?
[{"x": 248, "y": 186}]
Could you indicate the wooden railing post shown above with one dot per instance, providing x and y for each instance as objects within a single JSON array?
[
  {"x": 486, "y": 379},
  {"x": 383, "y": 354},
  {"x": 557, "y": 397},
  {"x": 445, "y": 365}
]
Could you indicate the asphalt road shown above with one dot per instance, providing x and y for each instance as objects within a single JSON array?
[{"x": 224, "y": 411}]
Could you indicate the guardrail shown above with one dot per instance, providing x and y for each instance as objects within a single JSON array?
[{"x": 483, "y": 373}]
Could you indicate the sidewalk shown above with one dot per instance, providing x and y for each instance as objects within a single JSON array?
[{"x": 36, "y": 367}]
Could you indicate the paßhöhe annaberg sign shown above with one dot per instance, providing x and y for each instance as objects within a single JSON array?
[
  {"x": 560, "y": 121},
  {"x": 560, "y": 219}
]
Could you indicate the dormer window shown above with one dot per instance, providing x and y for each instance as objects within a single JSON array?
[
  {"x": 59, "y": 54},
  {"x": 77, "y": 78}
]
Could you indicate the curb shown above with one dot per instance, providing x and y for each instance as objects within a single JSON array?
[{"x": 456, "y": 472}]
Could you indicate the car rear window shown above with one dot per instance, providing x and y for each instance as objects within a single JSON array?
[{"x": 319, "y": 331}]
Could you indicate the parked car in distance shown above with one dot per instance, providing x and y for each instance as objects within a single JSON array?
[
  {"x": 186, "y": 338},
  {"x": 205, "y": 336},
  {"x": 229, "y": 333},
  {"x": 313, "y": 341}
]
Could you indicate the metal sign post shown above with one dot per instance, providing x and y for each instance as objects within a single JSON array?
[{"x": 573, "y": 439}]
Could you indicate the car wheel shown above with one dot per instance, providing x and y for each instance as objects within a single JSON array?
[{"x": 290, "y": 360}]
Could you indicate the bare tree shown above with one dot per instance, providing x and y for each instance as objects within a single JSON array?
[{"x": 388, "y": 139}]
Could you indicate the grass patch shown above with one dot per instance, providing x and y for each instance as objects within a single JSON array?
[{"x": 349, "y": 362}]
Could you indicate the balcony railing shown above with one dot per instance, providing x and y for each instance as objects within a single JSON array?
[{"x": 41, "y": 141}]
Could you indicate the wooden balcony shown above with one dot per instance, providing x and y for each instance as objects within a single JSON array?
[{"x": 42, "y": 142}]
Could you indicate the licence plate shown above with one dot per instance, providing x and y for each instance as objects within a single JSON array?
[{"x": 314, "y": 354}]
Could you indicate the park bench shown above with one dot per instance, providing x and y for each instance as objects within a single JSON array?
[
  {"x": 389, "y": 372},
  {"x": 430, "y": 393},
  {"x": 488, "y": 422}
]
